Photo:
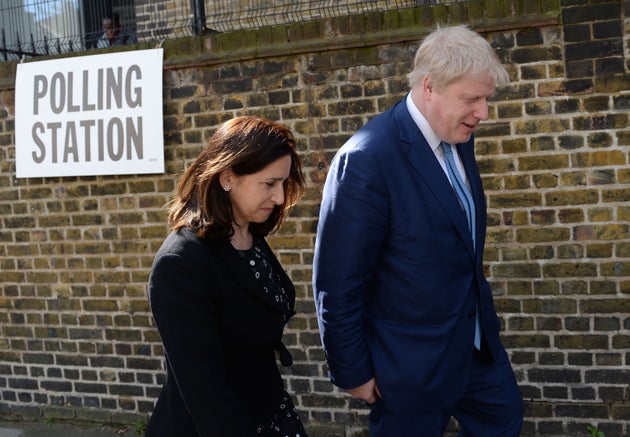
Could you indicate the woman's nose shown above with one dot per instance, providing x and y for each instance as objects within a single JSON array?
[{"x": 278, "y": 195}]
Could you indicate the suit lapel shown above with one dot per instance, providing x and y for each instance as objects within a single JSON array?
[
  {"x": 428, "y": 168},
  {"x": 467, "y": 154}
]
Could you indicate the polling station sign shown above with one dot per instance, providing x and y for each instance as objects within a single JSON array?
[{"x": 90, "y": 115}]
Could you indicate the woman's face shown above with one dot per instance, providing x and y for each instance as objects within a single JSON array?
[{"x": 254, "y": 196}]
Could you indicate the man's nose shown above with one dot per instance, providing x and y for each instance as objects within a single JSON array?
[{"x": 481, "y": 110}]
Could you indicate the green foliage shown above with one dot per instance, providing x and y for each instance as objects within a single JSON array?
[
  {"x": 140, "y": 427},
  {"x": 48, "y": 421},
  {"x": 594, "y": 432}
]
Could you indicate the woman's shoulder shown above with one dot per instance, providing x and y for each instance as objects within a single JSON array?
[{"x": 185, "y": 242}]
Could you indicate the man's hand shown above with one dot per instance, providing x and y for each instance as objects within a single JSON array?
[{"x": 368, "y": 392}]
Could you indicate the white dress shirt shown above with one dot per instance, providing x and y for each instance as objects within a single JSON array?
[{"x": 434, "y": 141}]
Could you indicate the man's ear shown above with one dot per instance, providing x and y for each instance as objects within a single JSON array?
[{"x": 427, "y": 87}]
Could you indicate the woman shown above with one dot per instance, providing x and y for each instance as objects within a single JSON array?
[{"x": 219, "y": 297}]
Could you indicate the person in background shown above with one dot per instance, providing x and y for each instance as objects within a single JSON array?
[
  {"x": 406, "y": 315},
  {"x": 114, "y": 33},
  {"x": 220, "y": 298}
]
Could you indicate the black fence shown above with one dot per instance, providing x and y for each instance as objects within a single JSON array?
[{"x": 46, "y": 27}]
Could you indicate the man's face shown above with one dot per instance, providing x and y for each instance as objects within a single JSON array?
[
  {"x": 455, "y": 110},
  {"x": 108, "y": 27}
]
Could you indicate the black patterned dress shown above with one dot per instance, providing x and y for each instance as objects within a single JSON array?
[{"x": 286, "y": 421}]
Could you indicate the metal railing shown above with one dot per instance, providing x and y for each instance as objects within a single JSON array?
[
  {"x": 48, "y": 27},
  {"x": 235, "y": 14}
]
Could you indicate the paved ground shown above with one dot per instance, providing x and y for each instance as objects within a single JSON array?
[{"x": 22, "y": 429}]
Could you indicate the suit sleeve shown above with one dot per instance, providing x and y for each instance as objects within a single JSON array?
[
  {"x": 352, "y": 226},
  {"x": 187, "y": 313}
]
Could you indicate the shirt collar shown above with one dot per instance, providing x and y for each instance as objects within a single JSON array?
[{"x": 422, "y": 123}]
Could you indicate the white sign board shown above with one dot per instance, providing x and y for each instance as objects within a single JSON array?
[{"x": 90, "y": 115}]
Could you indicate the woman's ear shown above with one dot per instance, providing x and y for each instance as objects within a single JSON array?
[{"x": 225, "y": 179}]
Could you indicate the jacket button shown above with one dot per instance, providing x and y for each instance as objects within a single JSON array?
[{"x": 472, "y": 314}]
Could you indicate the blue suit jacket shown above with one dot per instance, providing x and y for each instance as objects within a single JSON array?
[{"x": 396, "y": 278}]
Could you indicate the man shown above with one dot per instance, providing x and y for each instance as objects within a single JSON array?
[
  {"x": 114, "y": 33},
  {"x": 406, "y": 316}
]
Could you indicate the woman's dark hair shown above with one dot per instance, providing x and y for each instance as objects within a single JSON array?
[{"x": 245, "y": 145}]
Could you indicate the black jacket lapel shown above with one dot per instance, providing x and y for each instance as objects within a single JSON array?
[{"x": 242, "y": 272}]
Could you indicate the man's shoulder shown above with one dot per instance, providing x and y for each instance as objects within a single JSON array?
[
  {"x": 127, "y": 36},
  {"x": 379, "y": 134}
]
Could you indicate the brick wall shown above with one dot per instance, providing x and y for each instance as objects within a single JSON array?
[{"x": 76, "y": 335}]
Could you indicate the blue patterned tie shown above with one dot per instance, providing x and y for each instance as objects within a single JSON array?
[{"x": 465, "y": 198}]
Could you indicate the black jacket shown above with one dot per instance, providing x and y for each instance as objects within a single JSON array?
[{"x": 219, "y": 337}]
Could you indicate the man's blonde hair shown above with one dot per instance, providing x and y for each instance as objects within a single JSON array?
[{"x": 451, "y": 53}]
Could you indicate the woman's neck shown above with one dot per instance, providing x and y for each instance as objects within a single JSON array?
[{"x": 242, "y": 239}]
